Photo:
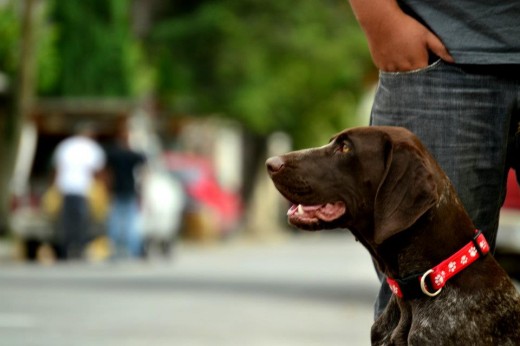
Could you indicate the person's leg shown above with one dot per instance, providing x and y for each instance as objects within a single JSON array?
[
  {"x": 463, "y": 118},
  {"x": 60, "y": 237},
  {"x": 115, "y": 226},
  {"x": 133, "y": 234},
  {"x": 75, "y": 225}
]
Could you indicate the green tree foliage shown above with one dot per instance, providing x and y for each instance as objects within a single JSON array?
[
  {"x": 9, "y": 38},
  {"x": 274, "y": 65},
  {"x": 10, "y": 43},
  {"x": 96, "y": 50}
]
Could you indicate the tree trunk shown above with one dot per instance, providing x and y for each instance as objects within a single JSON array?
[
  {"x": 15, "y": 110},
  {"x": 265, "y": 218}
]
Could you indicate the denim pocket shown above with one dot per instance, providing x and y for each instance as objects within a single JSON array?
[{"x": 430, "y": 66}]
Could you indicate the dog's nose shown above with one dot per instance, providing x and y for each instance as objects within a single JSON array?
[{"x": 274, "y": 164}]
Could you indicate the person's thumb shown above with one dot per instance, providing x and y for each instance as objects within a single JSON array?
[{"x": 438, "y": 48}]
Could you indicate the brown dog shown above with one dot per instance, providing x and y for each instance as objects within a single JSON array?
[{"x": 383, "y": 185}]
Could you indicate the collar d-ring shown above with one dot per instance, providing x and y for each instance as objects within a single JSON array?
[{"x": 423, "y": 285}]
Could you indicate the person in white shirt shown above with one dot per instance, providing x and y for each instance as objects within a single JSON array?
[{"x": 77, "y": 161}]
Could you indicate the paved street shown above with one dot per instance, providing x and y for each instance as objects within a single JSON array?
[{"x": 313, "y": 289}]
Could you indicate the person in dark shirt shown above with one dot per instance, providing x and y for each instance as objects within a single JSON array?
[
  {"x": 123, "y": 164},
  {"x": 450, "y": 73}
]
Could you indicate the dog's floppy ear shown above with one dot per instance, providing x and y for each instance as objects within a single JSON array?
[{"x": 405, "y": 193}]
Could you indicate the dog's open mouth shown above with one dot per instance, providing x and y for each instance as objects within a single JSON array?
[{"x": 300, "y": 214}]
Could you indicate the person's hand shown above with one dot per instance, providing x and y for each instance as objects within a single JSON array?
[{"x": 400, "y": 43}]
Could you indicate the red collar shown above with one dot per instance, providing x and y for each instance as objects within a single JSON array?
[{"x": 431, "y": 282}]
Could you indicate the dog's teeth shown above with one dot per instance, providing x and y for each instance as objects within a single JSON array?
[{"x": 300, "y": 209}]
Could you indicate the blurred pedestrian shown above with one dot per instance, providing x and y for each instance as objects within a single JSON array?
[
  {"x": 77, "y": 161},
  {"x": 123, "y": 223},
  {"x": 450, "y": 73}
]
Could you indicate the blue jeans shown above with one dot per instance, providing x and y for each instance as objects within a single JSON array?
[
  {"x": 123, "y": 227},
  {"x": 467, "y": 116}
]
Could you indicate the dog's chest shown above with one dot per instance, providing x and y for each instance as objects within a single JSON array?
[{"x": 477, "y": 319}]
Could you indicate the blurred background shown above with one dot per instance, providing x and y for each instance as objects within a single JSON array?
[{"x": 207, "y": 89}]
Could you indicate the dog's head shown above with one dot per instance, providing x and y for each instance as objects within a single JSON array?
[{"x": 378, "y": 180}]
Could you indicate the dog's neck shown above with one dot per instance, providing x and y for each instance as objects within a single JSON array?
[{"x": 434, "y": 237}]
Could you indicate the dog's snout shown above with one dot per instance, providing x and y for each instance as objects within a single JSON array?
[{"x": 274, "y": 164}]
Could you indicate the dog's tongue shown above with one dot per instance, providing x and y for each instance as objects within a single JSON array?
[{"x": 325, "y": 212}]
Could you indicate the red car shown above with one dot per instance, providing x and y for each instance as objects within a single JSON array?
[
  {"x": 508, "y": 237},
  {"x": 203, "y": 191}
]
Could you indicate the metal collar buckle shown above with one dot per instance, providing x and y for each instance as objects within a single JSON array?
[{"x": 424, "y": 289}]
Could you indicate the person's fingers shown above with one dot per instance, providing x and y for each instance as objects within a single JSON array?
[{"x": 438, "y": 48}]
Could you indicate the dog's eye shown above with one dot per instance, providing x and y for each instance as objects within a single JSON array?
[{"x": 345, "y": 147}]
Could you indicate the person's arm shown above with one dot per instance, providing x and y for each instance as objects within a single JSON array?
[{"x": 397, "y": 41}]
